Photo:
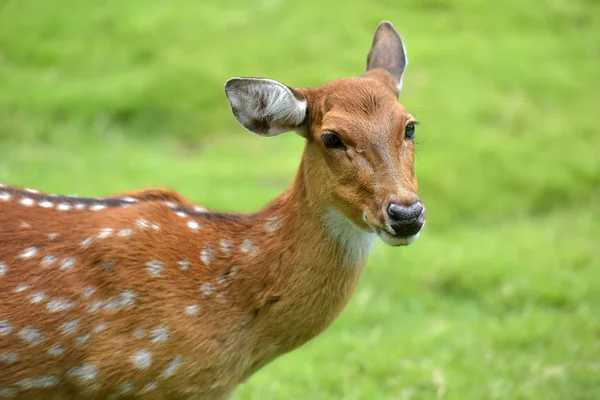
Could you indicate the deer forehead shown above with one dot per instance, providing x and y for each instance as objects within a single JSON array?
[{"x": 356, "y": 107}]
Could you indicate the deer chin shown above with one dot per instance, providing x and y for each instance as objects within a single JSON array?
[
  {"x": 395, "y": 241},
  {"x": 386, "y": 234}
]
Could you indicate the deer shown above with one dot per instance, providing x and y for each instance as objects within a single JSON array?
[{"x": 147, "y": 295}]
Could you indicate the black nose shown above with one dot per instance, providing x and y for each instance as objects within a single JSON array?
[{"x": 406, "y": 220}]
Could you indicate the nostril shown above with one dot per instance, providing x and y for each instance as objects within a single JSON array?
[
  {"x": 418, "y": 208},
  {"x": 395, "y": 210}
]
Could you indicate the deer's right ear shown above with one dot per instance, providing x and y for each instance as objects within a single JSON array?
[{"x": 264, "y": 106}]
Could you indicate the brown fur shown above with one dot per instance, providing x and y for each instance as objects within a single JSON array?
[{"x": 282, "y": 280}]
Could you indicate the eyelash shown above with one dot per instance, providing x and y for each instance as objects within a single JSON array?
[
  {"x": 332, "y": 141},
  {"x": 409, "y": 131}
]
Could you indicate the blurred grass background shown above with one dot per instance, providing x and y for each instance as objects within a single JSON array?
[{"x": 499, "y": 299}]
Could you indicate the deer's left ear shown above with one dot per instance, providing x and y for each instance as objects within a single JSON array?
[
  {"x": 388, "y": 54},
  {"x": 264, "y": 106}
]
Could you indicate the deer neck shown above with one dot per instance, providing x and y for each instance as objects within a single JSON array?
[
  {"x": 322, "y": 229},
  {"x": 318, "y": 262},
  {"x": 316, "y": 227}
]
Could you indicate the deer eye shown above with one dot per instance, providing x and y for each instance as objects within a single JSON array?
[
  {"x": 332, "y": 141},
  {"x": 409, "y": 131}
]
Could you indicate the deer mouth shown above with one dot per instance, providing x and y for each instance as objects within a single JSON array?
[
  {"x": 395, "y": 240},
  {"x": 389, "y": 235}
]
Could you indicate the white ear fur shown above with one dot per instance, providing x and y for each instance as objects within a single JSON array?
[
  {"x": 265, "y": 106},
  {"x": 399, "y": 86}
]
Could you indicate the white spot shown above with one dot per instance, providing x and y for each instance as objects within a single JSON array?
[
  {"x": 59, "y": 305},
  {"x": 101, "y": 327},
  {"x": 64, "y": 207},
  {"x": 88, "y": 292},
  {"x": 3, "y": 268},
  {"x": 180, "y": 213},
  {"x": 113, "y": 304},
  {"x": 86, "y": 242},
  {"x": 273, "y": 223},
  {"x": 172, "y": 366},
  {"x": 67, "y": 263},
  {"x": 142, "y": 223},
  {"x": 5, "y": 196},
  {"x": 105, "y": 232},
  {"x": 56, "y": 350},
  {"x": 29, "y": 252},
  {"x": 85, "y": 372},
  {"x": 38, "y": 297},
  {"x": 170, "y": 204},
  {"x": 81, "y": 341},
  {"x": 27, "y": 202},
  {"x": 5, "y": 328},
  {"x": 184, "y": 264},
  {"x": 80, "y": 206},
  {"x": 9, "y": 358},
  {"x": 43, "y": 382},
  {"x": 225, "y": 245},
  {"x": 192, "y": 309},
  {"x": 21, "y": 288},
  {"x": 130, "y": 199},
  {"x": 139, "y": 332},
  {"x": 160, "y": 334},
  {"x": 206, "y": 289},
  {"x": 52, "y": 236},
  {"x": 199, "y": 209},
  {"x": 128, "y": 298},
  {"x": 150, "y": 387},
  {"x": 154, "y": 267},
  {"x": 193, "y": 225},
  {"x": 31, "y": 335},
  {"x": 156, "y": 227},
  {"x": 46, "y": 204},
  {"x": 97, "y": 207},
  {"x": 222, "y": 279},
  {"x": 25, "y": 225},
  {"x": 142, "y": 359},
  {"x": 206, "y": 255},
  {"x": 125, "y": 300},
  {"x": 7, "y": 393},
  {"x": 247, "y": 247},
  {"x": 125, "y": 232},
  {"x": 69, "y": 328},
  {"x": 95, "y": 306},
  {"x": 31, "y": 190},
  {"x": 48, "y": 260}
]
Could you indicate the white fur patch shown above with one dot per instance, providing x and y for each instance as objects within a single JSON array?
[
  {"x": 355, "y": 242},
  {"x": 398, "y": 241},
  {"x": 265, "y": 99},
  {"x": 405, "y": 65}
]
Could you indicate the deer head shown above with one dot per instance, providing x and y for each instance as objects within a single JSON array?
[{"x": 359, "y": 155}]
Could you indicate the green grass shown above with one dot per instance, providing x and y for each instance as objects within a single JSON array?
[{"x": 499, "y": 298}]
